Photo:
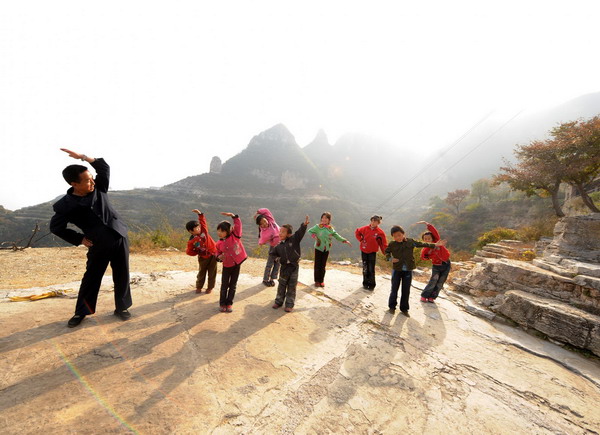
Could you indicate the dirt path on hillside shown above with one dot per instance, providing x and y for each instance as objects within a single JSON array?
[{"x": 340, "y": 363}]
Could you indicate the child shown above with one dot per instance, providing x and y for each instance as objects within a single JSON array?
[
  {"x": 371, "y": 238},
  {"x": 400, "y": 251},
  {"x": 231, "y": 252},
  {"x": 202, "y": 245},
  {"x": 323, "y": 233},
  {"x": 288, "y": 254},
  {"x": 268, "y": 232},
  {"x": 440, "y": 259}
]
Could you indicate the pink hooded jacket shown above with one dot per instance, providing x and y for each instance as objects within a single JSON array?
[
  {"x": 232, "y": 247},
  {"x": 271, "y": 233}
]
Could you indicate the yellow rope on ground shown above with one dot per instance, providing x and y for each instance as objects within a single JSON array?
[{"x": 51, "y": 294}]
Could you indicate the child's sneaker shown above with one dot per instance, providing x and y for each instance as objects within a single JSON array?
[
  {"x": 423, "y": 299},
  {"x": 229, "y": 309},
  {"x": 317, "y": 284},
  {"x": 223, "y": 308},
  {"x": 321, "y": 284},
  {"x": 431, "y": 300}
]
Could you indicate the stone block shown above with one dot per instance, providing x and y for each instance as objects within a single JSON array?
[{"x": 557, "y": 320}]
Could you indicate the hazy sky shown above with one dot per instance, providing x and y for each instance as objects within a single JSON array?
[{"x": 158, "y": 88}]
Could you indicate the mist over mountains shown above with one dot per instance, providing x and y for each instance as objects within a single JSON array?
[{"x": 354, "y": 177}]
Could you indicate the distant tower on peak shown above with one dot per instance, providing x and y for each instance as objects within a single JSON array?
[{"x": 215, "y": 165}]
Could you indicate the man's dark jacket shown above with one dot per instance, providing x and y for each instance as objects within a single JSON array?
[{"x": 92, "y": 213}]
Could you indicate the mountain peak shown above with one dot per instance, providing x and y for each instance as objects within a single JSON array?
[
  {"x": 276, "y": 137},
  {"x": 319, "y": 141}
]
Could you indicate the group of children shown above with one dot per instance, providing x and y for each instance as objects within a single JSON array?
[{"x": 284, "y": 256}]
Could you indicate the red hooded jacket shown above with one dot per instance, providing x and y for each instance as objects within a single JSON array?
[{"x": 437, "y": 255}]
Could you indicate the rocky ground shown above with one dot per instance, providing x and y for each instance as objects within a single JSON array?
[{"x": 340, "y": 363}]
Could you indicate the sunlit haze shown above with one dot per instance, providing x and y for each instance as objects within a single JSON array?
[{"x": 158, "y": 88}]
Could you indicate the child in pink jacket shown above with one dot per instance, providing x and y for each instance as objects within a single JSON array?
[
  {"x": 231, "y": 252},
  {"x": 268, "y": 232}
]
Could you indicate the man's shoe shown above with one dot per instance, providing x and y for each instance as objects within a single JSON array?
[
  {"x": 275, "y": 306},
  {"x": 392, "y": 311},
  {"x": 272, "y": 283},
  {"x": 123, "y": 314},
  {"x": 199, "y": 290},
  {"x": 266, "y": 283},
  {"x": 288, "y": 309},
  {"x": 229, "y": 309},
  {"x": 75, "y": 321},
  {"x": 405, "y": 313},
  {"x": 317, "y": 284},
  {"x": 321, "y": 284},
  {"x": 208, "y": 291}
]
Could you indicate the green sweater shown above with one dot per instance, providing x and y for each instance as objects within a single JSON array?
[
  {"x": 403, "y": 251},
  {"x": 323, "y": 236}
]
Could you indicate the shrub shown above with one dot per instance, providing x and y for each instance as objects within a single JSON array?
[
  {"x": 165, "y": 236},
  {"x": 527, "y": 255},
  {"x": 496, "y": 235},
  {"x": 540, "y": 228}
]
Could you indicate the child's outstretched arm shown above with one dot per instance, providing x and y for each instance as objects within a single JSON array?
[
  {"x": 299, "y": 234},
  {"x": 336, "y": 235},
  {"x": 237, "y": 223},
  {"x": 202, "y": 220},
  {"x": 432, "y": 230}
]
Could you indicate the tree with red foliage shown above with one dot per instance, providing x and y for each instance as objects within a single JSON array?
[
  {"x": 455, "y": 198},
  {"x": 571, "y": 155},
  {"x": 578, "y": 148},
  {"x": 536, "y": 172}
]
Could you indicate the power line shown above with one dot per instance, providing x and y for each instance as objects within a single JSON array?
[
  {"x": 457, "y": 162},
  {"x": 426, "y": 166}
]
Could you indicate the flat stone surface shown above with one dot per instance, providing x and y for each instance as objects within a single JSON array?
[{"x": 340, "y": 363}]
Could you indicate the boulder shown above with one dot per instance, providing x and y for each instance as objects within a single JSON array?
[
  {"x": 557, "y": 320},
  {"x": 576, "y": 237}
]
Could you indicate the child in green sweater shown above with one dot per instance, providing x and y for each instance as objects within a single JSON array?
[{"x": 323, "y": 233}]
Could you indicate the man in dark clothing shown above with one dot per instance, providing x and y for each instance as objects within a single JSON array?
[
  {"x": 287, "y": 253},
  {"x": 86, "y": 206}
]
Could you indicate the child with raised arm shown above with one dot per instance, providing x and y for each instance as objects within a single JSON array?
[
  {"x": 323, "y": 233},
  {"x": 288, "y": 253},
  {"x": 440, "y": 259},
  {"x": 202, "y": 245},
  {"x": 268, "y": 232},
  {"x": 400, "y": 252},
  {"x": 372, "y": 239},
  {"x": 231, "y": 252}
]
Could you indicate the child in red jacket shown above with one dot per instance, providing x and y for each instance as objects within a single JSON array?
[
  {"x": 202, "y": 245},
  {"x": 372, "y": 239},
  {"x": 440, "y": 259}
]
